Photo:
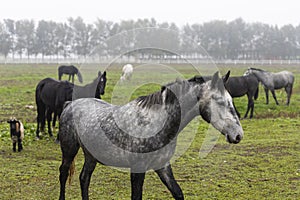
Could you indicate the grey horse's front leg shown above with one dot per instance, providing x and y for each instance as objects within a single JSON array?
[
  {"x": 267, "y": 95},
  {"x": 137, "y": 182},
  {"x": 274, "y": 96},
  {"x": 166, "y": 176}
]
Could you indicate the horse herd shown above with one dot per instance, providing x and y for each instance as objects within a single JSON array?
[
  {"x": 141, "y": 135},
  {"x": 249, "y": 82},
  {"x": 51, "y": 95}
]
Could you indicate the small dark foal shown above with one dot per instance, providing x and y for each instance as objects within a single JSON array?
[{"x": 16, "y": 133}]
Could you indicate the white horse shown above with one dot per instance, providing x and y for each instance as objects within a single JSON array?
[{"x": 126, "y": 72}]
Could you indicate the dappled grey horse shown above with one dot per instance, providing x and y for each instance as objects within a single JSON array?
[
  {"x": 273, "y": 81},
  {"x": 141, "y": 135}
]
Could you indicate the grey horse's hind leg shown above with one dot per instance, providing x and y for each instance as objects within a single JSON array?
[
  {"x": 166, "y": 176},
  {"x": 137, "y": 181},
  {"x": 85, "y": 175},
  {"x": 68, "y": 155},
  {"x": 288, "y": 91}
]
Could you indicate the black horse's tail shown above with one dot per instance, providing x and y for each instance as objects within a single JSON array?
[
  {"x": 41, "y": 107},
  {"x": 256, "y": 94},
  {"x": 79, "y": 76}
]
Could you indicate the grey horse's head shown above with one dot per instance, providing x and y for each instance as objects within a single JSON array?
[{"x": 216, "y": 107}]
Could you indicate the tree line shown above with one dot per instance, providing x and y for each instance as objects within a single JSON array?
[{"x": 221, "y": 39}]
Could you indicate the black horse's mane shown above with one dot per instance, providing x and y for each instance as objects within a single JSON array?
[{"x": 156, "y": 97}]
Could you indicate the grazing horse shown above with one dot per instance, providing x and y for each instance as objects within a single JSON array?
[
  {"x": 126, "y": 72},
  {"x": 141, "y": 135},
  {"x": 52, "y": 94},
  {"x": 239, "y": 86},
  {"x": 16, "y": 133},
  {"x": 274, "y": 81},
  {"x": 71, "y": 70}
]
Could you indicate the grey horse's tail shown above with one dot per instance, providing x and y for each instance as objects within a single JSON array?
[
  {"x": 66, "y": 104},
  {"x": 79, "y": 76},
  {"x": 256, "y": 94},
  {"x": 72, "y": 171}
]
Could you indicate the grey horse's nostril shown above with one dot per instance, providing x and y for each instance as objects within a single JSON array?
[{"x": 238, "y": 138}]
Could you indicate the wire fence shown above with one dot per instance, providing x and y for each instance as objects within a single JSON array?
[{"x": 109, "y": 59}]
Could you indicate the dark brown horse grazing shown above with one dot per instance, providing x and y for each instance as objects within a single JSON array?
[{"x": 71, "y": 70}]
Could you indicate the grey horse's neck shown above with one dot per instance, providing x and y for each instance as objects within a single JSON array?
[
  {"x": 180, "y": 102},
  {"x": 191, "y": 108},
  {"x": 262, "y": 76}
]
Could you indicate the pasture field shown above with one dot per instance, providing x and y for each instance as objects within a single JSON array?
[{"x": 265, "y": 165}]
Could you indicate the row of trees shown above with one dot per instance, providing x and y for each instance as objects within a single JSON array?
[{"x": 222, "y": 40}]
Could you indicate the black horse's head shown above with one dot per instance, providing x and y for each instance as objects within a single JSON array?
[{"x": 101, "y": 84}]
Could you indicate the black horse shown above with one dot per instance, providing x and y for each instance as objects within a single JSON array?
[
  {"x": 239, "y": 86},
  {"x": 52, "y": 94},
  {"x": 71, "y": 70}
]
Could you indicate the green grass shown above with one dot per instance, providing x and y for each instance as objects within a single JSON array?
[{"x": 265, "y": 165}]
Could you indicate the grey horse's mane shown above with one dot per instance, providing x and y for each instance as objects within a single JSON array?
[
  {"x": 148, "y": 101},
  {"x": 173, "y": 88},
  {"x": 261, "y": 70}
]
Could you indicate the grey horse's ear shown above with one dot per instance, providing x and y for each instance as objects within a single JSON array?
[
  {"x": 99, "y": 73},
  {"x": 225, "y": 77},
  {"x": 163, "y": 88},
  {"x": 214, "y": 80},
  {"x": 179, "y": 80}
]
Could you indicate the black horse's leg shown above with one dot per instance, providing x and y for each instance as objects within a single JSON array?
[
  {"x": 49, "y": 119},
  {"x": 72, "y": 78},
  {"x": 137, "y": 182},
  {"x": 54, "y": 120},
  {"x": 237, "y": 112},
  {"x": 166, "y": 176},
  {"x": 267, "y": 95},
  {"x": 250, "y": 106},
  {"x": 274, "y": 96},
  {"x": 41, "y": 109},
  {"x": 68, "y": 155},
  {"x": 85, "y": 175}
]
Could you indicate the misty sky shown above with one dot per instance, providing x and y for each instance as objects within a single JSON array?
[{"x": 272, "y": 12}]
